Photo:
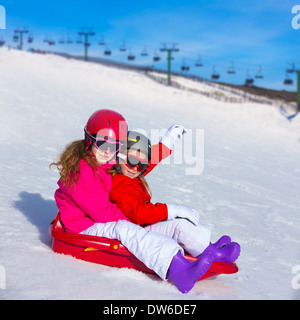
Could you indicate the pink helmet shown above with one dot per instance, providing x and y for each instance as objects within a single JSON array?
[{"x": 106, "y": 123}]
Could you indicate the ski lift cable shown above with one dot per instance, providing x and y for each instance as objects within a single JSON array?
[
  {"x": 207, "y": 60},
  {"x": 240, "y": 65},
  {"x": 114, "y": 42}
]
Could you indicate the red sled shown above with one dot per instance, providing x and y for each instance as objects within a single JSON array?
[{"x": 111, "y": 252}]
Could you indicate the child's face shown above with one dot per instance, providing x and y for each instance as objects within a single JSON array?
[
  {"x": 102, "y": 157},
  {"x": 132, "y": 172}
]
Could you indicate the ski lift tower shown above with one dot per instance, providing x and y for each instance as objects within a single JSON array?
[
  {"x": 21, "y": 32},
  {"x": 169, "y": 47},
  {"x": 290, "y": 117},
  {"x": 86, "y": 42},
  {"x": 294, "y": 70}
]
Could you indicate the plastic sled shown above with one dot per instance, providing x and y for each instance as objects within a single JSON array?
[{"x": 111, "y": 252}]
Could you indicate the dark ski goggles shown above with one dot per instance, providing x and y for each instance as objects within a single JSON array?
[
  {"x": 104, "y": 143},
  {"x": 133, "y": 161}
]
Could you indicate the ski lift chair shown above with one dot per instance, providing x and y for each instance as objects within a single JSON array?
[
  {"x": 288, "y": 82},
  {"x": 144, "y": 53},
  {"x": 292, "y": 69},
  {"x": 215, "y": 75},
  {"x": 131, "y": 57},
  {"x": 231, "y": 69},
  {"x": 259, "y": 74},
  {"x": 107, "y": 52},
  {"x": 185, "y": 66},
  {"x": 198, "y": 62},
  {"x": 249, "y": 81},
  {"x": 123, "y": 48},
  {"x": 101, "y": 41}
]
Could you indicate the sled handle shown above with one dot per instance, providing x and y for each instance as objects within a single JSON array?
[{"x": 112, "y": 245}]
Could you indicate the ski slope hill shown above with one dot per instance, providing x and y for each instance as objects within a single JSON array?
[
  {"x": 228, "y": 93},
  {"x": 247, "y": 185}
]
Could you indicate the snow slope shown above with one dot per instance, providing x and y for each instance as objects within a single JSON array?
[{"x": 249, "y": 187}]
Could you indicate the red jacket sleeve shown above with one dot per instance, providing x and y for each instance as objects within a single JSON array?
[
  {"x": 158, "y": 153},
  {"x": 133, "y": 199}
]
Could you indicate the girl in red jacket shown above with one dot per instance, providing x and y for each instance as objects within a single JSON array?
[{"x": 132, "y": 195}]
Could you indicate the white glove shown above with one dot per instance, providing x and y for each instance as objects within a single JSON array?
[
  {"x": 182, "y": 211},
  {"x": 176, "y": 131}
]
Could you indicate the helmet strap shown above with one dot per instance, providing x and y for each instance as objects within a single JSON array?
[{"x": 88, "y": 142}]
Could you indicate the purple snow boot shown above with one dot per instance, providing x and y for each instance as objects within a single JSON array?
[
  {"x": 185, "y": 273},
  {"x": 223, "y": 241},
  {"x": 224, "y": 253}
]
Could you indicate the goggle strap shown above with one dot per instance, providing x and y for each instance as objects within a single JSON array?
[
  {"x": 93, "y": 139},
  {"x": 137, "y": 165},
  {"x": 89, "y": 136},
  {"x": 121, "y": 156}
]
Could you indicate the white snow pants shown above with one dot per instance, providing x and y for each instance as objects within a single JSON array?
[
  {"x": 193, "y": 239},
  {"x": 156, "y": 244}
]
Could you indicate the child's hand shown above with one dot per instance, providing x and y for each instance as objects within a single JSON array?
[
  {"x": 182, "y": 211},
  {"x": 176, "y": 131}
]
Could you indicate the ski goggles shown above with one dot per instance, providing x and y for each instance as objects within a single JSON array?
[
  {"x": 103, "y": 144},
  {"x": 136, "y": 162}
]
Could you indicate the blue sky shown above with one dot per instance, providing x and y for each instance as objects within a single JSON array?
[{"x": 248, "y": 33}]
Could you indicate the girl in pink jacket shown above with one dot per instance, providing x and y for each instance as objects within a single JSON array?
[{"x": 83, "y": 202}]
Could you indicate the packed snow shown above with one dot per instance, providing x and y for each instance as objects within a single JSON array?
[{"x": 244, "y": 180}]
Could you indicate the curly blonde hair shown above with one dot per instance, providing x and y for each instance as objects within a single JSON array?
[{"x": 68, "y": 163}]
